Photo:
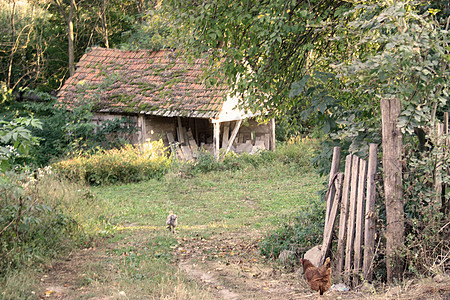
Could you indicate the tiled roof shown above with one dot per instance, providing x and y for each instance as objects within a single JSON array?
[{"x": 157, "y": 83}]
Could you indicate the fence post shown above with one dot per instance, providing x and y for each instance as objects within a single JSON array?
[
  {"x": 344, "y": 214},
  {"x": 359, "y": 221},
  {"x": 334, "y": 170},
  {"x": 351, "y": 219},
  {"x": 393, "y": 189},
  {"x": 370, "y": 221}
]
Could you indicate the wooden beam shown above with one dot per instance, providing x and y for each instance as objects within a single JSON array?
[
  {"x": 233, "y": 135},
  {"x": 344, "y": 214},
  {"x": 225, "y": 134},
  {"x": 180, "y": 131},
  {"x": 143, "y": 134},
  {"x": 272, "y": 134},
  {"x": 216, "y": 139},
  {"x": 370, "y": 220},
  {"x": 359, "y": 221}
]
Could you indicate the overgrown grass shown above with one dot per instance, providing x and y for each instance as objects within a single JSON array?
[
  {"x": 124, "y": 165},
  {"x": 248, "y": 191},
  {"x": 42, "y": 216},
  {"x": 135, "y": 164}
]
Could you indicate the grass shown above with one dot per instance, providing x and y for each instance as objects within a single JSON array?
[
  {"x": 142, "y": 259},
  {"x": 136, "y": 255},
  {"x": 252, "y": 197}
]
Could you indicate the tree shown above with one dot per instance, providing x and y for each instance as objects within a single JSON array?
[
  {"x": 261, "y": 47},
  {"x": 68, "y": 16}
]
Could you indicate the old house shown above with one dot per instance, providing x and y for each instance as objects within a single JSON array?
[{"x": 165, "y": 95}]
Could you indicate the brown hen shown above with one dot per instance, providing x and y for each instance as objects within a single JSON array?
[{"x": 319, "y": 278}]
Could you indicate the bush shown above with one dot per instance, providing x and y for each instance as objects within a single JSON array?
[
  {"x": 298, "y": 151},
  {"x": 297, "y": 234},
  {"x": 127, "y": 164},
  {"x": 33, "y": 228},
  {"x": 426, "y": 212}
]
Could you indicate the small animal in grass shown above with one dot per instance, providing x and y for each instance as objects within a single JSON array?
[
  {"x": 318, "y": 278},
  {"x": 171, "y": 221}
]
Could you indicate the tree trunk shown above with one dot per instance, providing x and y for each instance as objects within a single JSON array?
[
  {"x": 71, "y": 38},
  {"x": 104, "y": 23},
  {"x": 13, "y": 45},
  {"x": 393, "y": 189},
  {"x": 70, "y": 34}
]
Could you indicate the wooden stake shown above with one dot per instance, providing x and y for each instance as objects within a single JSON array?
[
  {"x": 359, "y": 221},
  {"x": 351, "y": 219},
  {"x": 328, "y": 231},
  {"x": 334, "y": 170},
  {"x": 344, "y": 214},
  {"x": 370, "y": 219}
]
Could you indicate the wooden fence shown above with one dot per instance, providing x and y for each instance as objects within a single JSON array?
[{"x": 353, "y": 193}]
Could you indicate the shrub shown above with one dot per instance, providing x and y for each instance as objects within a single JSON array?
[
  {"x": 127, "y": 164},
  {"x": 298, "y": 151},
  {"x": 32, "y": 228},
  {"x": 296, "y": 234},
  {"x": 426, "y": 212}
]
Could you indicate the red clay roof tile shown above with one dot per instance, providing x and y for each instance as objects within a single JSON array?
[{"x": 142, "y": 81}]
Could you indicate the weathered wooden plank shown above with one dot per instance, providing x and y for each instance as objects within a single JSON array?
[
  {"x": 333, "y": 171},
  {"x": 180, "y": 131},
  {"x": 233, "y": 135},
  {"x": 351, "y": 219},
  {"x": 393, "y": 186},
  {"x": 343, "y": 215},
  {"x": 266, "y": 139},
  {"x": 370, "y": 218},
  {"x": 186, "y": 152},
  {"x": 171, "y": 142},
  {"x": 357, "y": 262},
  {"x": 328, "y": 231}
]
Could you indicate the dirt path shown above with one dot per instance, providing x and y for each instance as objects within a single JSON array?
[
  {"x": 231, "y": 264},
  {"x": 226, "y": 264}
]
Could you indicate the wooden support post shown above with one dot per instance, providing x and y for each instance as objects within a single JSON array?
[
  {"x": 344, "y": 214},
  {"x": 272, "y": 134},
  {"x": 393, "y": 186},
  {"x": 233, "y": 135},
  {"x": 225, "y": 135},
  {"x": 328, "y": 230},
  {"x": 216, "y": 139},
  {"x": 351, "y": 219},
  {"x": 370, "y": 219},
  {"x": 333, "y": 171},
  {"x": 143, "y": 131},
  {"x": 357, "y": 262}
]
